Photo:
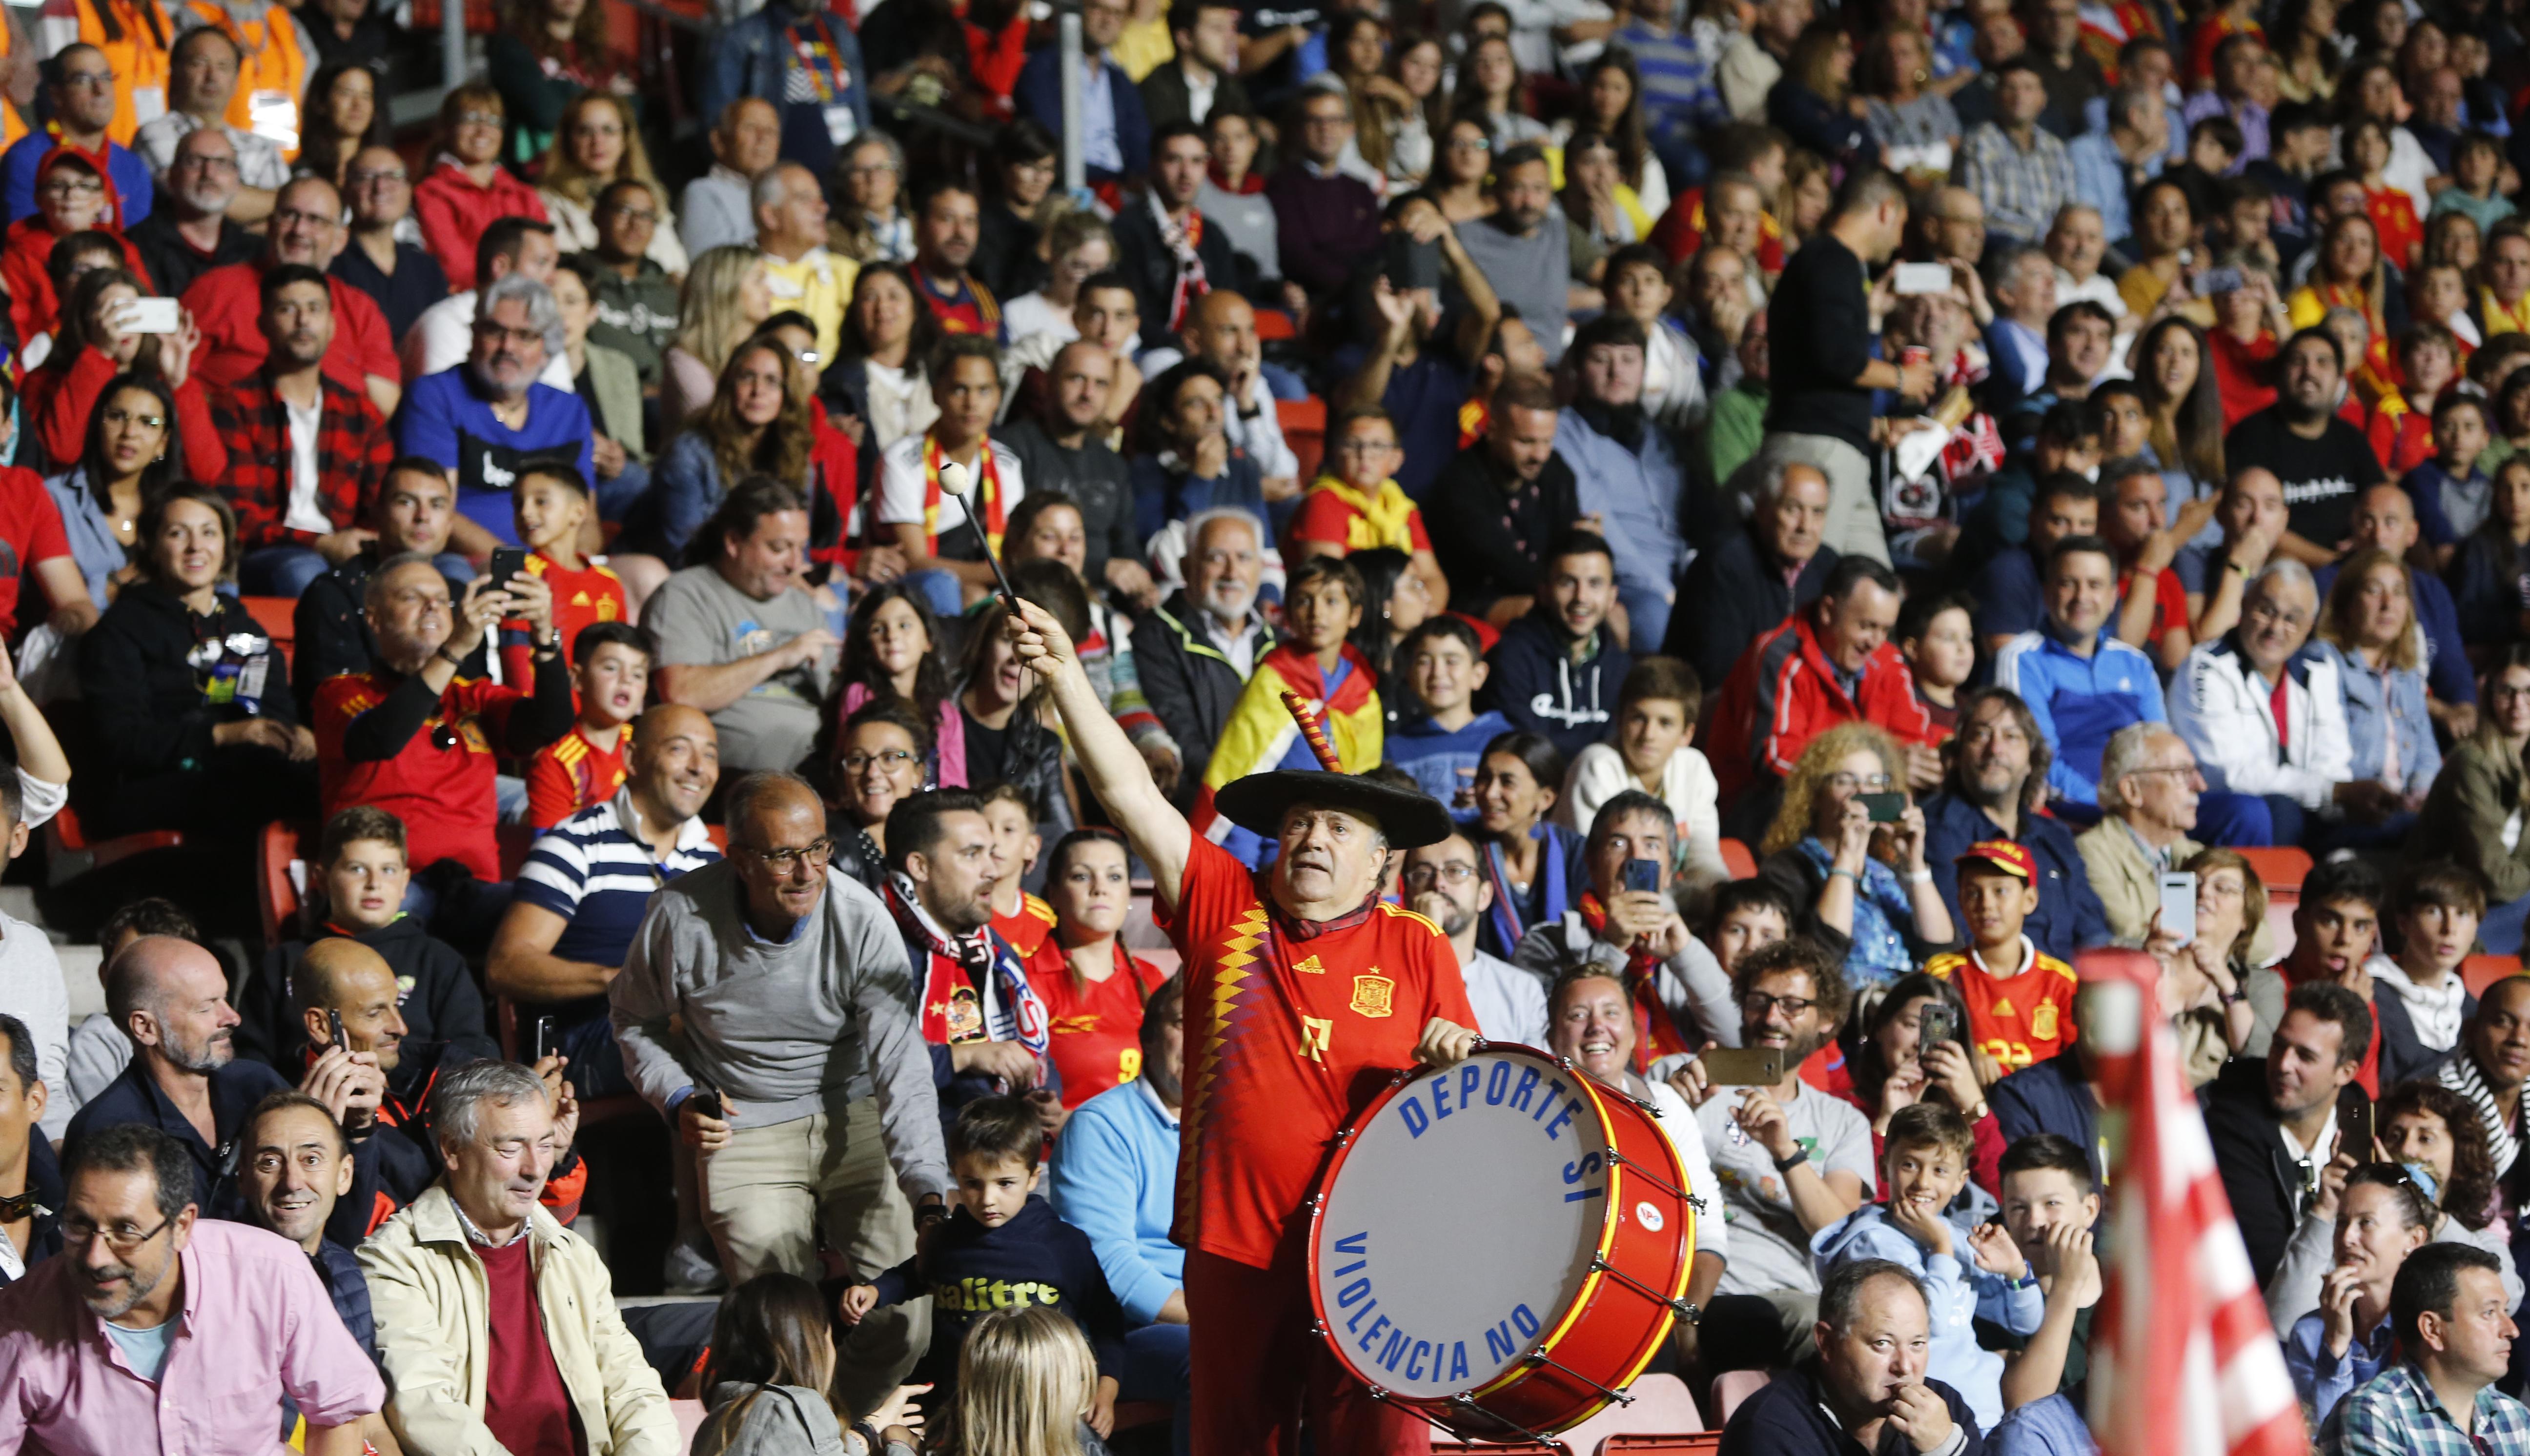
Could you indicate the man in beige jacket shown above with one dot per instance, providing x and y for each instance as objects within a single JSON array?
[
  {"x": 2149, "y": 785},
  {"x": 498, "y": 1325}
]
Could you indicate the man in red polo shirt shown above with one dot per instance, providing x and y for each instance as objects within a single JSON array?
[
  {"x": 227, "y": 304},
  {"x": 415, "y": 740},
  {"x": 1303, "y": 991}
]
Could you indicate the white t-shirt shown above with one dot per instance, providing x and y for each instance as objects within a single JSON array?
[
  {"x": 901, "y": 485},
  {"x": 31, "y": 989},
  {"x": 306, "y": 512},
  {"x": 1678, "y": 1124},
  {"x": 1769, "y": 1248},
  {"x": 1030, "y": 314}
]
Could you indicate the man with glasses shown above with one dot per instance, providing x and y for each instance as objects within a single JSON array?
[
  {"x": 799, "y": 271},
  {"x": 2268, "y": 724},
  {"x": 90, "y": 1354},
  {"x": 81, "y": 85},
  {"x": 1445, "y": 884},
  {"x": 2151, "y": 803},
  {"x": 227, "y": 302},
  {"x": 1993, "y": 788},
  {"x": 807, "y": 1088},
  {"x": 194, "y": 233},
  {"x": 401, "y": 278},
  {"x": 1329, "y": 218},
  {"x": 488, "y": 419},
  {"x": 443, "y": 337},
  {"x": 204, "y": 76},
  {"x": 716, "y": 210},
  {"x": 636, "y": 303}
]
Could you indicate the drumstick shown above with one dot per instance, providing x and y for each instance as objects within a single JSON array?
[
  {"x": 1309, "y": 730},
  {"x": 954, "y": 481}
]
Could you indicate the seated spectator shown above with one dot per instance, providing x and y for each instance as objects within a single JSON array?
[
  {"x": 443, "y": 336},
  {"x": 756, "y": 423},
  {"x": 293, "y": 1166},
  {"x": 1832, "y": 664},
  {"x": 468, "y": 188},
  {"x": 1895, "y": 1068},
  {"x": 2450, "y": 491},
  {"x": 1330, "y": 218},
  {"x": 1061, "y": 449},
  {"x": 2369, "y": 632},
  {"x": 946, "y": 232},
  {"x": 2384, "y": 521},
  {"x": 195, "y": 233},
  {"x": 99, "y": 1050},
  {"x": 745, "y": 138},
  {"x": 1357, "y": 506},
  {"x": 769, "y": 1368},
  {"x": 31, "y": 1174},
  {"x": 2152, "y": 612},
  {"x": 2493, "y": 555},
  {"x": 1500, "y": 501},
  {"x": 1854, "y": 1390},
  {"x": 879, "y": 756},
  {"x": 1551, "y": 670},
  {"x": 1746, "y": 582},
  {"x": 790, "y": 230},
  {"x": 204, "y": 76},
  {"x": 727, "y": 300},
  {"x": 293, "y": 529},
  {"x": 895, "y": 653},
  {"x": 2449, "y": 1309},
  {"x": 71, "y": 199},
  {"x": 1992, "y": 787},
  {"x": 1186, "y": 464},
  {"x": 2299, "y": 767},
  {"x": 2030, "y": 1020},
  {"x": 487, "y": 419},
  {"x": 2336, "y": 936},
  {"x": 586, "y": 765},
  {"x": 1827, "y": 855},
  {"x": 2150, "y": 790},
  {"x": 635, "y": 294},
  {"x": 357, "y": 891},
  {"x": 1195, "y": 652},
  {"x": 2018, "y": 171},
  {"x": 2489, "y": 1068},
  {"x": 1009, "y": 250},
  {"x": 1163, "y": 244},
  {"x": 763, "y": 702},
  {"x": 2381, "y": 1218},
  {"x": 597, "y": 145},
  {"x": 554, "y": 512},
  {"x": 227, "y": 302},
  {"x": 2270, "y": 1117},
  {"x": 1323, "y": 604},
  {"x": 2323, "y": 462},
  {"x": 1446, "y": 882},
  {"x": 1630, "y": 476},
  {"x": 2419, "y": 998},
  {"x": 1531, "y": 862},
  {"x": 372, "y": 748},
  {"x": 458, "y": 1280},
  {"x": 92, "y": 347},
  {"x": 1023, "y": 917},
  {"x": 2078, "y": 679},
  {"x": 258, "y": 1324},
  {"x": 82, "y": 97},
  {"x": 1094, "y": 990},
  {"x": 1440, "y": 738},
  {"x": 399, "y": 277},
  {"x": 1222, "y": 327},
  {"x": 911, "y": 508},
  {"x": 1003, "y": 714},
  {"x": 1937, "y": 636},
  {"x": 411, "y": 513},
  {"x": 2068, "y": 440},
  {"x": 1425, "y": 376},
  {"x": 212, "y": 747}
]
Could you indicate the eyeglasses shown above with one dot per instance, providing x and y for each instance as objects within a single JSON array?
[
  {"x": 633, "y": 214},
  {"x": 890, "y": 759},
  {"x": 814, "y": 853},
  {"x": 208, "y": 163},
  {"x": 94, "y": 81},
  {"x": 520, "y": 337},
  {"x": 478, "y": 118},
  {"x": 2263, "y": 608},
  {"x": 1450, "y": 872},
  {"x": 114, "y": 416},
  {"x": 364, "y": 177},
  {"x": 1866, "y": 783},
  {"x": 1471, "y": 144},
  {"x": 312, "y": 219},
  {"x": 1758, "y": 1003},
  {"x": 122, "y": 1238},
  {"x": 69, "y": 188}
]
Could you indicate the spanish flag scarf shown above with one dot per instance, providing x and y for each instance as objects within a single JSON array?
[
  {"x": 1654, "y": 1035},
  {"x": 983, "y": 498},
  {"x": 1379, "y": 519}
]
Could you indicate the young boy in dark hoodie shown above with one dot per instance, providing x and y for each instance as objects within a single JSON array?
[
  {"x": 1003, "y": 1246},
  {"x": 1556, "y": 672}
]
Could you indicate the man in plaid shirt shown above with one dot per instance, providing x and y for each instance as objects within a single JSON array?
[
  {"x": 307, "y": 456},
  {"x": 2456, "y": 1334},
  {"x": 2018, "y": 170}
]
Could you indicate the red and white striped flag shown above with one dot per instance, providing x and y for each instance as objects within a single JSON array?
[{"x": 2183, "y": 1362}]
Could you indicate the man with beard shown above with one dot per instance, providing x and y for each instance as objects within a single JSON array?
[
  {"x": 299, "y": 519},
  {"x": 947, "y": 226},
  {"x": 1196, "y": 651},
  {"x": 88, "y": 1343},
  {"x": 194, "y": 233},
  {"x": 1524, "y": 250},
  {"x": 1444, "y": 884},
  {"x": 443, "y": 334},
  {"x": 2322, "y": 462},
  {"x": 487, "y": 419},
  {"x": 1630, "y": 473},
  {"x": 1059, "y": 448},
  {"x": 1996, "y": 780},
  {"x": 185, "y": 1078},
  {"x": 1499, "y": 501},
  {"x": 2272, "y": 1120},
  {"x": 227, "y": 302}
]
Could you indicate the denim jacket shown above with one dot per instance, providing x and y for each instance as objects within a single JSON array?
[
  {"x": 2376, "y": 698},
  {"x": 751, "y": 56}
]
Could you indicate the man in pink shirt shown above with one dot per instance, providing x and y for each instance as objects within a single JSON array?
[{"x": 153, "y": 1330}]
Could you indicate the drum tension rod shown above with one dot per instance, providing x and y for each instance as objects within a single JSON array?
[
  {"x": 1539, "y": 1437},
  {"x": 1539, "y": 1356},
  {"x": 1691, "y": 1200},
  {"x": 1678, "y": 1306}
]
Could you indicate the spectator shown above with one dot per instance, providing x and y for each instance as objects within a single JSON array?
[
  {"x": 1531, "y": 862},
  {"x": 1357, "y": 505},
  {"x": 490, "y": 418},
  {"x": 965, "y": 384},
  {"x": 1448, "y": 883},
  {"x": 1329, "y": 218},
  {"x": 2451, "y": 494},
  {"x": 596, "y": 144},
  {"x": 443, "y": 336},
  {"x": 371, "y": 747},
  {"x": 92, "y": 347},
  {"x": 1324, "y": 604},
  {"x": 1233, "y": 195},
  {"x": 2454, "y": 1334},
  {"x": 403, "y": 279},
  {"x": 1186, "y": 464},
  {"x": 343, "y": 115},
  {"x": 1010, "y": 246},
  {"x": 1524, "y": 250},
  {"x": 459, "y": 1280},
  {"x": 2152, "y": 610},
  {"x": 610, "y": 676},
  {"x": 799, "y": 273},
  {"x": 1657, "y": 709},
  {"x": 2323, "y": 462},
  {"x": 880, "y": 754},
  {"x": 1937, "y": 640},
  {"x": 746, "y": 139},
  {"x": 823, "y": 1005},
  {"x": 412, "y": 513},
  {"x": 2029, "y": 1020},
  {"x": 2111, "y": 164},
  {"x": 2490, "y": 1067},
  {"x": 1095, "y": 991},
  {"x": 1116, "y": 142},
  {"x": 2271, "y": 1118},
  {"x": 255, "y": 1314},
  {"x": 227, "y": 302},
  {"x": 1832, "y": 664},
  {"x": 1552, "y": 671},
  {"x": 336, "y": 444},
  {"x": 2019, "y": 172},
  {"x": 1993, "y": 785},
  {"x": 2384, "y": 521},
  {"x": 1202, "y": 79},
  {"x": 2370, "y": 634},
  {"x": 1163, "y": 245},
  {"x": 1080, "y": 245},
  {"x": 2492, "y": 559},
  {"x": 1869, "y": 1381},
  {"x": 1827, "y": 854},
  {"x": 205, "y": 63},
  {"x": 1498, "y": 503},
  {"x": 1421, "y": 375},
  {"x": 31, "y": 1174},
  {"x": 194, "y": 232},
  {"x": 2479, "y": 788},
  {"x": 1008, "y": 741},
  {"x": 2079, "y": 681},
  {"x": 756, "y": 423},
  {"x": 1630, "y": 476},
  {"x": 2436, "y": 907},
  {"x": 1897, "y": 1068},
  {"x": 468, "y": 190},
  {"x": 1195, "y": 652},
  {"x": 1058, "y": 450},
  {"x": 294, "y": 1165},
  {"x": 71, "y": 202},
  {"x": 946, "y": 230},
  {"x": 1812, "y": 104},
  {"x": 1221, "y": 327},
  {"x": 1681, "y": 996},
  {"x": 88, "y": 115},
  {"x": 2149, "y": 794},
  {"x": 2298, "y": 763},
  {"x": 727, "y": 298},
  {"x": 1749, "y": 581},
  {"x": 770, "y": 1366},
  {"x": 763, "y": 702}
]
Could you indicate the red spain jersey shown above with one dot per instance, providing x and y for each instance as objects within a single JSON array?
[
  {"x": 1286, "y": 1042},
  {"x": 1028, "y": 926},
  {"x": 2018, "y": 1019},
  {"x": 440, "y": 785},
  {"x": 1096, "y": 1027},
  {"x": 571, "y": 772},
  {"x": 580, "y": 599}
]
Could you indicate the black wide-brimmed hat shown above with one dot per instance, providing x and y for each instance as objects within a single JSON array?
[{"x": 1409, "y": 818}]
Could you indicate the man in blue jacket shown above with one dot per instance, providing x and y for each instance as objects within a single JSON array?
[
  {"x": 1867, "y": 1383},
  {"x": 1115, "y": 130},
  {"x": 830, "y": 104}
]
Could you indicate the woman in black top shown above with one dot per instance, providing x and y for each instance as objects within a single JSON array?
[
  {"x": 193, "y": 726},
  {"x": 2486, "y": 572},
  {"x": 1003, "y": 710},
  {"x": 1024, "y": 161}
]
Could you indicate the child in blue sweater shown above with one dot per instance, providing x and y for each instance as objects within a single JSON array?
[
  {"x": 1968, "y": 1273},
  {"x": 1002, "y": 1248},
  {"x": 1444, "y": 664}
]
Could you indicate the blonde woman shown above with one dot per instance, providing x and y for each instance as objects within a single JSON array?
[
  {"x": 599, "y": 142},
  {"x": 2369, "y": 627},
  {"x": 726, "y": 297},
  {"x": 1025, "y": 1383},
  {"x": 1861, "y": 881}
]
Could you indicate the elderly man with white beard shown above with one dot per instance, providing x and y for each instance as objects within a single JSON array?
[{"x": 192, "y": 234}]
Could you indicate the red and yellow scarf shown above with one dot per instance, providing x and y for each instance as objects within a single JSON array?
[
  {"x": 1656, "y": 1035},
  {"x": 983, "y": 500}
]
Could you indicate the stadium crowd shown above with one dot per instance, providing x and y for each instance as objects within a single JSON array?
[{"x": 1801, "y": 521}]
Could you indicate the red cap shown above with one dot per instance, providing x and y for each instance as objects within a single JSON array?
[{"x": 2003, "y": 855}]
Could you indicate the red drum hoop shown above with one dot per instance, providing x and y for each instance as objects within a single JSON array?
[{"x": 1501, "y": 1245}]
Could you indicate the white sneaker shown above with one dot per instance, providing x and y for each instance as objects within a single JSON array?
[{"x": 689, "y": 1269}]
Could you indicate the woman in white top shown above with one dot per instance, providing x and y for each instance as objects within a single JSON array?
[
  {"x": 726, "y": 297},
  {"x": 598, "y": 143},
  {"x": 879, "y": 375},
  {"x": 1081, "y": 246}
]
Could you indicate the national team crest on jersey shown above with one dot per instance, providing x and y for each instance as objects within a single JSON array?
[
  {"x": 1373, "y": 995},
  {"x": 2042, "y": 1021}
]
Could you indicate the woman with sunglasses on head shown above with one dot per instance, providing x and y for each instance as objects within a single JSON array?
[
  {"x": 1093, "y": 989},
  {"x": 1856, "y": 867},
  {"x": 468, "y": 188}
]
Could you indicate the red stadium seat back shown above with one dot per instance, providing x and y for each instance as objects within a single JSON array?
[
  {"x": 2479, "y": 972},
  {"x": 1735, "y": 858},
  {"x": 1733, "y": 1387},
  {"x": 1662, "y": 1409},
  {"x": 1693, "y": 1443},
  {"x": 1304, "y": 429},
  {"x": 719, "y": 836},
  {"x": 280, "y": 870},
  {"x": 2280, "y": 869},
  {"x": 277, "y": 617},
  {"x": 1274, "y": 325}
]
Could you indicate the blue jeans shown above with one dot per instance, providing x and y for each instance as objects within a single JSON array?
[
  {"x": 1648, "y": 608},
  {"x": 1159, "y": 1367},
  {"x": 280, "y": 570}
]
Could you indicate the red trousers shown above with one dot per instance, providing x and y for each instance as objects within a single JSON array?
[{"x": 1259, "y": 1373}]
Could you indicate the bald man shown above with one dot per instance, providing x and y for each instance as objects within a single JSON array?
[
  {"x": 186, "y": 1079},
  {"x": 1222, "y": 328}
]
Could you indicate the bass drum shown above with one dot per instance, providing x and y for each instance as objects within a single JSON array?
[{"x": 1501, "y": 1245}]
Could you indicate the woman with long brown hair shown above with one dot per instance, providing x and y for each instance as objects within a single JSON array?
[
  {"x": 2351, "y": 273},
  {"x": 1814, "y": 103},
  {"x": 1466, "y": 159},
  {"x": 1356, "y": 53},
  {"x": 756, "y": 424},
  {"x": 342, "y": 115},
  {"x": 1488, "y": 94},
  {"x": 2183, "y": 403},
  {"x": 765, "y": 1380},
  {"x": 1828, "y": 856},
  {"x": 1611, "y": 105}
]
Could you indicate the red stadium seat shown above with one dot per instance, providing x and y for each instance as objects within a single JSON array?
[
  {"x": 1733, "y": 1387},
  {"x": 277, "y": 891},
  {"x": 1274, "y": 324},
  {"x": 69, "y": 852},
  {"x": 277, "y": 617},
  {"x": 1662, "y": 1410},
  {"x": 1304, "y": 429},
  {"x": 1735, "y": 858},
  {"x": 2479, "y": 972},
  {"x": 1698, "y": 1443},
  {"x": 2282, "y": 869}
]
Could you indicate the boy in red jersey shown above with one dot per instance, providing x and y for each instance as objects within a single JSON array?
[
  {"x": 610, "y": 677},
  {"x": 2021, "y": 1000},
  {"x": 1024, "y": 919},
  {"x": 552, "y": 505},
  {"x": 1306, "y": 990}
]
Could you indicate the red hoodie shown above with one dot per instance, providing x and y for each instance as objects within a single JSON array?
[
  {"x": 29, "y": 246},
  {"x": 1783, "y": 692},
  {"x": 454, "y": 212}
]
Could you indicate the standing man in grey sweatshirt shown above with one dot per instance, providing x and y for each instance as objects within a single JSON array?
[{"x": 797, "y": 1012}]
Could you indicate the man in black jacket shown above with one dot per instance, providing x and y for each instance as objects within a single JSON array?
[
  {"x": 1867, "y": 1389},
  {"x": 1206, "y": 32},
  {"x": 1162, "y": 242},
  {"x": 1195, "y": 653},
  {"x": 415, "y": 510},
  {"x": 1499, "y": 503},
  {"x": 1755, "y": 576},
  {"x": 2274, "y": 1121},
  {"x": 1058, "y": 450}
]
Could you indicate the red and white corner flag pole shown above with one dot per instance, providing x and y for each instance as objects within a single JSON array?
[{"x": 2183, "y": 1361}]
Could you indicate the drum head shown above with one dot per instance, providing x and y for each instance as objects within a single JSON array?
[{"x": 1461, "y": 1223}]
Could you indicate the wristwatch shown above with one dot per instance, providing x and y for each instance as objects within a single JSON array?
[{"x": 1787, "y": 1165}]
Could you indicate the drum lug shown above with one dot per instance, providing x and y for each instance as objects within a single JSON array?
[
  {"x": 1681, "y": 1308},
  {"x": 1464, "y": 1403},
  {"x": 1539, "y": 1356}
]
